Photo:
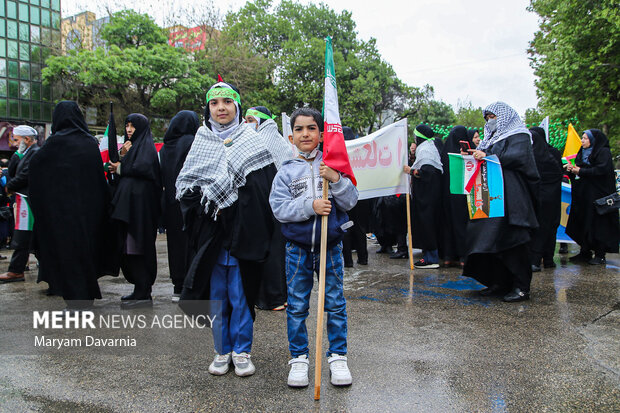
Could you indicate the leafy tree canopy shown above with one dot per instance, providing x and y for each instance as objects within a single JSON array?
[{"x": 576, "y": 56}]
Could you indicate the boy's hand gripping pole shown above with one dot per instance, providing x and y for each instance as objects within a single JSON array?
[{"x": 321, "y": 304}]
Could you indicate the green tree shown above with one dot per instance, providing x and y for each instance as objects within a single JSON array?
[
  {"x": 291, "y": 36},
  {"x": 576, "y": 57},
  {"x": 128, "y": 28},
  {"x": 151, "y": 78},
  {"x": 469, "y": 116}
]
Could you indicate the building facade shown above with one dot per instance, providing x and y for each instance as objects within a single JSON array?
[
  {"x": 29, "y": 33},
  {"x": 82, "y": 31}
]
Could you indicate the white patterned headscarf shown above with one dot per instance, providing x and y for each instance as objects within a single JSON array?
[
  {"x": 279, "y": 147},
  {"x": 508, "y": 123},
  {"x": 426, "y": 153},
  {"x": 220, "y": 168}
]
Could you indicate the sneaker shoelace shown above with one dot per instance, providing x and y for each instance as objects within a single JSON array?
[
  {"x": 221, "y": 358},
  {"x": 339, "y": 365},
  {"x": 242, "y": 358}
]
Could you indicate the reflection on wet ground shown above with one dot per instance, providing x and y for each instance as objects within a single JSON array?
[{"x": 420, "y": 340}]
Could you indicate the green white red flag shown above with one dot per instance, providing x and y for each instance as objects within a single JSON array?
[
  {"x": 334, "y": 149},
  {"x": 23, "y": 215}
]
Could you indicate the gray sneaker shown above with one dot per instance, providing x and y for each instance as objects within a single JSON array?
[
  {"x": 220, "y": 364},
  {"x": 243, "y": 364}
]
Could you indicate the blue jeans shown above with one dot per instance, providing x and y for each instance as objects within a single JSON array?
[
  {"x": 235, "y": 324},
  {"x": 300, "y": 268},
  {"x": 431, "y": 256}
]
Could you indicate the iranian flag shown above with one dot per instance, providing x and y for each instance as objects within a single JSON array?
[
  {"x": 334, "y": 150},
  {"x": 23, "y": 215},
  {"x": 463, "y": 172}
]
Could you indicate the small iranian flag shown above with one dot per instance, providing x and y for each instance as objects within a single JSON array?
[
  {"x": 23, "y": 215},
  {"x": 335, "y": 153},
  {"x": 463, "y": 172}
]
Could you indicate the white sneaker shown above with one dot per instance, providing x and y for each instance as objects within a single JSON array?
[
  {"x": 243, "y": 364},
  {"x": 339, "y": 370},
  {"x": 298, "y": 375},
  {"x": 219, "y": 365}
]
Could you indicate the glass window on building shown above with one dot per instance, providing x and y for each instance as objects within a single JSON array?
[
  {"x": 11, "y": 9},
  {"x": 24, "y": 51},
  {"x": 11, "y": 29},
  {"x": 36, "y": 110},
  {"x": 24, "y": 71},
  {"x": 3, "y": 68},
  {"x": 2, "y": 28},
  {"x": 2, "y": 107},
  {"x": 25, "y": 110},
  {"x": 45, "y": 3},
  {"x": 55, "y": 38},
  {"x": 45, "y": 53},
  {"x": 24, "y": 32},
  {"x": 35, "y": 34},
  {"x": 35, "y": 16},
  {"x": 3, "y": 92},
  {"x": 35, "y": 91},
  {"x": 35, "y": 72},
  {"x": 2, "y": 48},
  {"x": 56, "y": 20},
  {"x": 13, "y": 69},
  {"x": 12, "y": 50},
  {"x": 24, "y": 90},
  {"x": 46, "y": 36},
  {"x": 47, "y": 112},
  {"x": 45, "y": 18},
  {"x": 56, "y": 5},
  {"x": 25, "y": 107},
  {"x": 23, "y": 12},
  {"x": 13, "y": 108},
  {"x": 36, "y": 2},
  {"x": 35, "y": 54},
  {"x": 13, "y": 89},
  {"x": 2, "y": 11},
  {"x": 46, "y": 92}
]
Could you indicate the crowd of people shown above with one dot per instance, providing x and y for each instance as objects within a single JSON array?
[{"x": 241, "y": 206}]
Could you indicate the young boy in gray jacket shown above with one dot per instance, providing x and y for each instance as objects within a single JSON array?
[{"x": 296, "y": 201}]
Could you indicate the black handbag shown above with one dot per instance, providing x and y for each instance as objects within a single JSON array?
[
  {"x": 5, "y": 213},
  {"x": 607, "y": 204}
]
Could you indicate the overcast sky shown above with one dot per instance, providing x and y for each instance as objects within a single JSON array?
[{"x": 468, "y": 50}]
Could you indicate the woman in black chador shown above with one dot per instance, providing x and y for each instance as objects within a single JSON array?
[
  {"x": 69, "y": 200},
  {"x": 455, "y": 214},
  {"x": 426, "y": 172},
  {"x": 549, "y": 165},
  {"x": 497, "y": 248},
  {"x": 177, "y": 142},
  {"x": 592, "y": 178},
  {"x": 136, "y": 208}
]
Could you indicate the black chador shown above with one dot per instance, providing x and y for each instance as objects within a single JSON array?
[
  {"x": 455, "y": 213},
  {"x": 69, "y": 199},
  {"x": 426, "y": 193},
  {"x": 136, "y": 208},
  {"x": 177, "y": 143},
  {"x": 497, "y": 248},
  {"x": 595, "y": 180},
  {"x": 549, "y": 165}
]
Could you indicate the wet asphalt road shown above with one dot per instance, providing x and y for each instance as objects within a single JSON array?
[{"x": 419, "y": 340}]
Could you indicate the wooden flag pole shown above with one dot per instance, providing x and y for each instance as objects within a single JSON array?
[
  {"x": 409, "y": 247},
  {"x": 321, "y": 302}
]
